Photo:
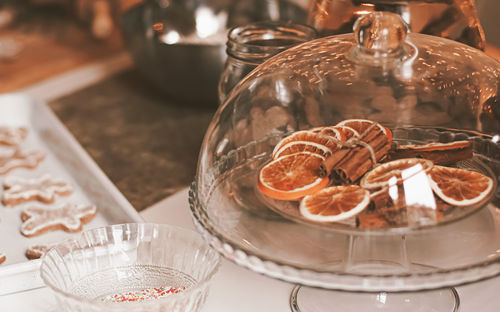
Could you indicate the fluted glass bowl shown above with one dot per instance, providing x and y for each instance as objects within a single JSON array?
[{"x": 132, "y": 267}]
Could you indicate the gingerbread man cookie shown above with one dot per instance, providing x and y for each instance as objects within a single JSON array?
[
  {"x": 38, "y": 251},
  {"x": 43, "y": 189},
  {"x": 20, "y": 159},
  {"x": 68, "y": 217},
  {"x": 12, "y": 136},
  {"x": 2, "y": 258}
]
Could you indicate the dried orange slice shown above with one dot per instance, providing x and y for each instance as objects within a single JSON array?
[
  {"x": 460, "y": 187},
  {"x": 380, "y": 176},
  {"x": 292, "y": 177},
  {"x": 303, "y": 146},
  {"x": 360, "y": 125},
  {"x": 307, "y": 136},
  {"x": 349, "y": 132},
  {"x": 333, "y": 131},
  {"x": 335, "y": 203},
  {"x": 450, "y": 146},
  {"x": 439, "y": 153}
]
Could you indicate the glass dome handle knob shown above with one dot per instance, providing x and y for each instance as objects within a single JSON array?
[{"x": 380, "y": 31}]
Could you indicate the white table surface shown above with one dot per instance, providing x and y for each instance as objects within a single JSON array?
[{"x": 235, "y": 288}]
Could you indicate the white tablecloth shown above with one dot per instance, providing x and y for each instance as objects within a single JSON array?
[{"x": 235, "y": 288}]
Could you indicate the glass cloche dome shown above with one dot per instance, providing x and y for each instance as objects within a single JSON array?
[{"x": 376, "y": 138}]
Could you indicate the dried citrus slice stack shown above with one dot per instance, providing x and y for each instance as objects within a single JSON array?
[
  {"x": 349, "y": 132},
  {"x": 292, "y": 177},
  {"x": 303, "y": 146},
  {"x": 334, "y": 203},
  {"x": 380, "y": 176},
  {"x": 360, "y": 125},
  {"x": 332, "y": 131},
  {"x": 345, "y": 132},
  {"x": 460, "y": 187},
  {"x": 305, "y": 137}
]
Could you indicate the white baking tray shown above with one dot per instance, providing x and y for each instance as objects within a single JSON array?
[{"x": 65, "y": 159}]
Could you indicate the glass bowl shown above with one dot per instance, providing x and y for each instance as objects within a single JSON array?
[{"x": 132, "y": 267}]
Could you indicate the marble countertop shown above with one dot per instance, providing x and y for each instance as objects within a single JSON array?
[{"x": 147, "y": 145}]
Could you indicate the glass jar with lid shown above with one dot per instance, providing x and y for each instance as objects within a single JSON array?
[{"x": 250, "y": 45}]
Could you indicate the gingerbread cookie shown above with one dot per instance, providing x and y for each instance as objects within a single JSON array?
[
  {"x": 38, "y": 251},
  {"x": 68, "y": 217},
  {"x": 43, "y": 189},
  {"x": 2, "y": 258},
  {"x": 20, "y": 159},
  {"x": 12, "y": 136}
]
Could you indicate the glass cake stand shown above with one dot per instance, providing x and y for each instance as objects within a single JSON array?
[
  {"x": 344, "y": 267},
  {"x": 419, "y": 87}
]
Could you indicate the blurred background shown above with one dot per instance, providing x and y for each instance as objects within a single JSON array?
[{"x": 169, "y": 39}]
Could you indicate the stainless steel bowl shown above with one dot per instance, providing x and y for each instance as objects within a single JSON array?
[{"x": 179, "y": 45}]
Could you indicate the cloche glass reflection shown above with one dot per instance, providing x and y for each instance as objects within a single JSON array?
[
  {"x": 373, "y": 135},
  {"x": 421, "y": 88}
]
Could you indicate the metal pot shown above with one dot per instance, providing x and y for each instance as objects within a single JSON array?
[{"x": 179, "y": 45}]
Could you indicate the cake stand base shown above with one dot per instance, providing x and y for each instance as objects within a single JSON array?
[{"x": 308, "y": 299}]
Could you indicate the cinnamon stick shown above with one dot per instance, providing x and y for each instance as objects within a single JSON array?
[
  {"x": 386, "y": 211},
  {"x": 399, "y": 218},
  {"x": 371, "y": 221},
  {"x": 357, "y": 156},
  {"x": 439, "y": 153}
]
